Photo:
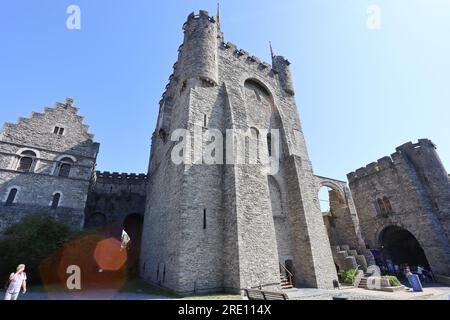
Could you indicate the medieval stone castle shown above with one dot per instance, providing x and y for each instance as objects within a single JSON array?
[{"x": 224, "y": 227}]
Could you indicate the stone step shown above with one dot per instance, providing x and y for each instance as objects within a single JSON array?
[
  {"x": 362, "y": 262},
  {"x": 285, "y": 284},
  {"x": 363, "y": 283},
  {"x": 350, "y": 263},
  {"x": 353, "y": 253}
]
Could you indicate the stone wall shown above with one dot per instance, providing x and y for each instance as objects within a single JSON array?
[{"x": 112, "y": 198}]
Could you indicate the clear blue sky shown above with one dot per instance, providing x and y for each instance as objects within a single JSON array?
[{"x": 360, "y": 92}]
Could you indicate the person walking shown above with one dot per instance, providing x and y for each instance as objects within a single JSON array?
[{"x": 16, "y": 281}]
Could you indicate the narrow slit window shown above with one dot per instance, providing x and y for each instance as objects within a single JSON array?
[
  {"x": 164, "y": 274},
  {"x": 204, "y": 219},
  {"x": 55, "y": 201},
  {"x": 157, "y": 273},
  {"x": 11, "y": 197}
]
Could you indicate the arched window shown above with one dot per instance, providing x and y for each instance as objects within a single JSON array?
[
  {"x": 253, "y": 146},
  {"x": 254, "y": 133},
  {"x": 26, "y": 161},
  {"x": 258, "y": 89},
  {"x": 64, "y": 167},
  {"x": 55, "y": 201},
  {"x": 384, "y": 206},
  {"x": 11, "y": 197},
  {"x": 387, "y": 205}
]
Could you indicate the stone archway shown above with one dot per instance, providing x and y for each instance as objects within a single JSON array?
[
  {"x": 331, "y": 203},
  {"x": 342, "y": 225},
  {"x": 401, "y": 247}
]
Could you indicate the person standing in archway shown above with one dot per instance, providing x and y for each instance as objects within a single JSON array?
[{"x": 16, "y": 281}]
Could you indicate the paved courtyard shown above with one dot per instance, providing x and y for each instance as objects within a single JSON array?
[{"x": 431, "y": 293}]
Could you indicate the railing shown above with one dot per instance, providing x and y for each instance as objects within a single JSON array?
[{"x": 290, "y": 276}]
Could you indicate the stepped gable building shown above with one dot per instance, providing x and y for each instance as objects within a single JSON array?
[{"x": 47, "y": 167}]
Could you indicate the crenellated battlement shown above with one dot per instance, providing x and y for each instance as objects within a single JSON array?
[
  {"x": 115, "y": 177},
  {"x": 422, "y": 143},
  {"x": 245, "y": 56},
  {"x": 372, "y": 168},
  {"x": 202, "y": 14},
  {"x": 265, "y": 68},
  {"x": 388, "y": 162},
  {"x": 199, "y": 41}
]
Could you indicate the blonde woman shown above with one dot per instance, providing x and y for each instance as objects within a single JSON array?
[{"x": 16, "y": 281}]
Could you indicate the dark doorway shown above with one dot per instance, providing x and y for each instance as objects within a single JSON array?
[
  {"x": 400, "y": 246},
  {"x": 289, "y": 266},
  {"x": 131, "y": 238}
]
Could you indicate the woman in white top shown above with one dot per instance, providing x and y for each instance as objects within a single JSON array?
[{"x": 16, "y": 281}]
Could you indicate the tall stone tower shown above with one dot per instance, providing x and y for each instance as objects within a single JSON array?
[{"x": 228, "y": 226}]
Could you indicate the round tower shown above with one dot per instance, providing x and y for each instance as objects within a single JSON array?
[
  {"x": 431, "y": 172},
  {"x": 282, "y": 66},
  {"x": 198, "y": 55}
]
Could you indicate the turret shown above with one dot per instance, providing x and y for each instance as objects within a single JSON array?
[
  {"x": 282, "y": 66},
  {"x": 430, "y": 170},
  {"x": 198, "y": 55}
]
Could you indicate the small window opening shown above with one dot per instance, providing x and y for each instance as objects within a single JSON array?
[
  {"x": 183, "y": 86},
  {"x": 59, "y": 131},
  {"x": 164, "y": 274},
  {"x": 204, "y": 219},
  {"x": 11, "y": 197},
  {"x": 163, "y": 135},
  {"x": 26, "y": 161},
  {"x": 55, "y": 201},
  {"x": 65, "y": 167}
]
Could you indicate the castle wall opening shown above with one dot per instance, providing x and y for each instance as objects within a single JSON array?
[
  {"x": 346, "y": 246},
  {"x": 331, "y": 205},
  {"x": 402, "y": 248},
  {"x": 132, "y": 227}
]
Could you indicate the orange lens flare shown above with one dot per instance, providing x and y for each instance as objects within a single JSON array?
[{"x": 109, "y": 255}]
